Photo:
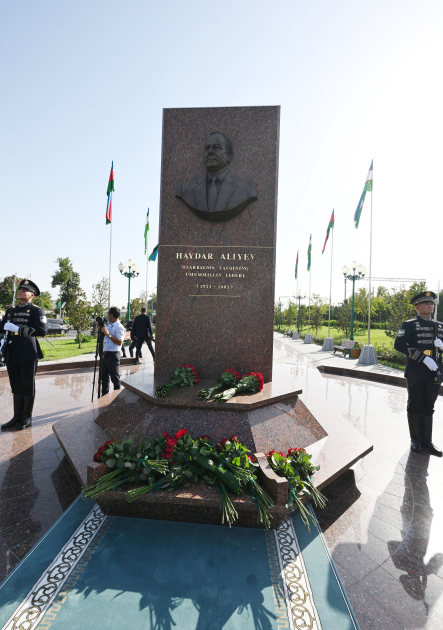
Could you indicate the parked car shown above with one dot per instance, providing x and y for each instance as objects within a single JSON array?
[{"x": 56, "y": 327}]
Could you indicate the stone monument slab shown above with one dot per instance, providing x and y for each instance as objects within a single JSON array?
[{"x": 216, "y": 261}]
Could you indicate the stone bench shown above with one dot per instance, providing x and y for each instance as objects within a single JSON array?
[{"x": 345, "y": 347}]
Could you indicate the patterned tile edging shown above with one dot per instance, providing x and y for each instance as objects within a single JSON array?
[
  {"x": 301, "y": 609},
  {"x": 42, "y": 595}
]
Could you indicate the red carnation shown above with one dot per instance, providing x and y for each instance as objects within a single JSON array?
[
  {"x": 101, "y": 450},
  {"x": 234, "y": 372},
  {"x": 271, "y": 453},
  {"x": 97, "y": 457}
]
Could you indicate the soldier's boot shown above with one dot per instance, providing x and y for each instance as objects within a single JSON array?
[
  {"x": 27, "y": 412},
  {"x": 415, "y": 431},
  {"x": 19, "y": 402},
  {"x": 426, "y": 424}
]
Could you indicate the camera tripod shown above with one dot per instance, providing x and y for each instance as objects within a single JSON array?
[{"x": 98, "y": 354}]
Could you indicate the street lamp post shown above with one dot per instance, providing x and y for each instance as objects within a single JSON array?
[
  {"x": 131, "y": 270},
  {"x": 361, "y": 272},
  {"x": 300, "y": 296}
]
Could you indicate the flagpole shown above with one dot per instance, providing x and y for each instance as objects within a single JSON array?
[
  {"x": 330, "y": 284},
  {"x": 110, "y": 252},
  {"x": 147, "y": 268},
  {"x": 370, "y": 261},
  {"x": 309, "y": 315}
]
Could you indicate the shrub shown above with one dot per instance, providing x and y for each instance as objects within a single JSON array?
[
  {"x": 386, "y": 352},
  {"x": 85, "y": 338}
]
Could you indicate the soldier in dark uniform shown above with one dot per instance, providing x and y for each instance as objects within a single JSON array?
[
  {"x": 420, "y": 339},
  {"x": 141, "y": 333},
  {"x": 22, "y": 324}
]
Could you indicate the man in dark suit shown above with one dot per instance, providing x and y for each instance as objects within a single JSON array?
[
  {"x": 218, "y": 195},
  {"x": 142, "y": 332}
]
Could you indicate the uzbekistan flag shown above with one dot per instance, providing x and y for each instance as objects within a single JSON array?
[
  {"x": 296, "y": 267},
  {"x": 109, "y": 193},
  {"x": 331, "y": 225},
  {"x": 309, "y": 252},
  {"x": 146, "y": 231},
  {"x": 368, "y": 187},
  {"x": 153, "y": 256}
]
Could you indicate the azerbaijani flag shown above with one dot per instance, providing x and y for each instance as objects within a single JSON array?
[
  {"x": 331, "y": 225},
  {"x": 368, "y": 187},
  {"x": 146, "y": 231},
  {"x": 153, "y": 256},
  {"x": 309, "y": 252},
  {"x": 296, "y": 267},
  {"x": 109, "y": 193}
]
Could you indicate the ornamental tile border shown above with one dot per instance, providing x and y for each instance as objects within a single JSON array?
[
  {"x": 44, "y": 592},
  {"x": 302, "y": 612}
]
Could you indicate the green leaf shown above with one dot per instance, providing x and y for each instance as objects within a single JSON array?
[{"x": 110, "y": 463}]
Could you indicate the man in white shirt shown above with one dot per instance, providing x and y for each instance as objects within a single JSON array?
[{"x": 114, "y": 336}]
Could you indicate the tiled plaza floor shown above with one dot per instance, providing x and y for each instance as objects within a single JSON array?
[{"x": 383, "y": 522}]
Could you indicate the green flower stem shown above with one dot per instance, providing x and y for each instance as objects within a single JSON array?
[
  {"x": 131, "y": 495},
  {"x": 224, "y": 476},
  {"x": 229, "y": 513}
]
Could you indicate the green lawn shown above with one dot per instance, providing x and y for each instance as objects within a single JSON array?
[
  {"x": 377, "y": 336},
  {"x": 64, "y": 348}
]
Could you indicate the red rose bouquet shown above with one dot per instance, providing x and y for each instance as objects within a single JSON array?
[
  {"x": 228, "y": 379},
  {"x": 184, "y": 375},
  {"x": 297, "y": 468},
  {"x": 252, "y": 382}
]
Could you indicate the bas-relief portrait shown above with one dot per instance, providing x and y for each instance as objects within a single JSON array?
[{"x": 218, "y": 195}]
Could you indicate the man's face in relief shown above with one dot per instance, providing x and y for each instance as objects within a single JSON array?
[{"x": 216, "y": 156}]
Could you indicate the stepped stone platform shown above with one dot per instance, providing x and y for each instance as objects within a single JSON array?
[{"x": 275, "y": 418}]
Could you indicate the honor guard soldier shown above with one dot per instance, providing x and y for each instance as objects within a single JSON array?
[
  {"x": 22, "y": 324},
  {"x": 420, "y": 339}
]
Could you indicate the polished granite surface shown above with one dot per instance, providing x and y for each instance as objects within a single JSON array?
[{"x": 383, "y": 522}]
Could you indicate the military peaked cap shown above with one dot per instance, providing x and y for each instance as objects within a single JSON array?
[
  {"x": 426, "y": 296},
  {"x": 28, "y": 285}
]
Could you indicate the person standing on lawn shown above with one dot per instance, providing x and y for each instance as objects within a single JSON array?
[
  {"x": 22, "y": 324},
  {"x": 421, "y": 340}
]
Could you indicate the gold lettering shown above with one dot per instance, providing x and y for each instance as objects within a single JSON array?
[{"x": 178, "y": 255}]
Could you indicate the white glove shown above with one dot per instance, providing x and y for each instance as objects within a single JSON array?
[
  {"x": 11, "y": 327},
  {"x": 438, "y": 343},
  {"x": 430, "y": 363}
]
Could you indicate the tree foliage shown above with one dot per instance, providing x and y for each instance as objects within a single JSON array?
[
  {"x": 100, "y": 295},
  {"x": 44, "y": 300},
  {"x": 7, "y": 291},
  {"x": 399, "y": 308},
  {"x": 136, "y": 306},
  {"x": 318, "y": 309},
  {"x": 344, "y": 318},
  {"x": 67, "y": 279},
  {"x": 79, "y": 313}
]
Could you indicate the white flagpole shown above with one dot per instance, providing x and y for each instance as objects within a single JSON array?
[
  {"x": 110, "y": 252},
  {"x": 309, "y": 315},
  {"x": 330, "y": 281},
  {"x": 147, "y": 268},
  {"x": 370, "y": 262}
]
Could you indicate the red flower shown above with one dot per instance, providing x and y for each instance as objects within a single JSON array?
[
  {"x": 180, "y": 434},
  {"x": 101, "y": 450},
  {"x": 234, "y": 372},
  {"x": 195, "y": 380},
  {"x": 302, "y": 450},
  {"x": 166, "y": 436},
  {"x": 223, "y": 442},
  {"x": 250, "y": 458},
  {"x": 207, "y": 437},
  {"x": 218, "y": 446},
  {"x": 108, "y": 443},
  {"x": 292, "y": 450},
  {"x": 234, "y": 438},
  {"x": 97, "y": 457},
  {"x": 271, "y": 453},
  {"x": 171, "y": 443}
]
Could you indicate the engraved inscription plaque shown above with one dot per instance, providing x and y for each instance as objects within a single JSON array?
[{"x": 216, "y": 261}]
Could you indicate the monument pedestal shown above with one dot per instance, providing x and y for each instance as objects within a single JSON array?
[{"x": 274, "y": 419}]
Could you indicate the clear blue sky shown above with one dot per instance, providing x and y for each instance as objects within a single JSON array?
[{"x": 84, "y": 83}]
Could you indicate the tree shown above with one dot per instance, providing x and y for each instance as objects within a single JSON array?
[
  {"x": 344, "y": 318},
  {"x": 136, "y": 306},
  {"x": 399, "y": 307},
  {"x": 290, "y": 314},
  {"x": 67, "y": 279},
  {"x": 100, "y": 295},
  {"x": 7, "y": 290},
  {"x": 361, "y": 303},
  {"x": 79, "y": 313},
  {"x": 318, "y": 308},
  {"x": 303, "y": 315},
  {"x": 44, "y": 300}
]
